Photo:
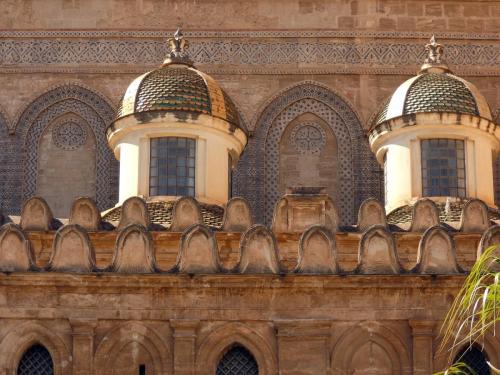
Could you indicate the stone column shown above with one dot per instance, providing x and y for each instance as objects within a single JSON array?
[
  {"x": 423, "y": 335},
  {"x": 303, "y": 347},
  {"x": 82, "y": 331},
  {"x": 184, "y": 346}
]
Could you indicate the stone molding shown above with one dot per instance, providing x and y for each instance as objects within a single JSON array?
[{"x": 317, "y": 52}]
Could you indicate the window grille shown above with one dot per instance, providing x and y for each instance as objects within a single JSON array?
[
  {"x": 443, "y": 168},
  {"x": 475, "y": 359},
  {"x": 172, "y": 166},
  {"x": 238, "y": 361},
  {"x": 36, "y": 361}
]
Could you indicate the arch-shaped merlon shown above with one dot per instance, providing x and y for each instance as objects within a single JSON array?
[
  {"x": 436, "y": 253},
  {"x": 72, "y": 250},
  {"x": 474, "y": 217},
  {"x": 16, "y": 253},
  {"x": 237, "y": 215},
  {"x": 377, "y": 252},
  {"x": 36, "y": 215},
  {"x": 332, "y": 219},
  {"x": 280, "y": 216},
  {"x": 134, "y": 252},
  {"x": 84, "y": 212},
  {"x": 258, "y": 251},
  {"x": 317, "y": 251},
  {"x": 186, "y": 212},
  {"x": 134, "y": 212},
  {"x": 198, "y": 251},
  {"x": 425, "y": 215},
  {"x": 371, "y": 212},
  {"x": 489, "y": 238}
]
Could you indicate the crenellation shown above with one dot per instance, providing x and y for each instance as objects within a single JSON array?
[
  {"x": 377, "y": 252},
  {"x": 316, "y": 249},
  {"x": 72, "y": 251},
  {"x": 437, "y": 253}
]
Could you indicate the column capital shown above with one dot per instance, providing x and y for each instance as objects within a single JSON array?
[
  {"x": 82, "y": 326},
  {"x": 184, "y": 327},
  {"x": 422, "y": 327}
]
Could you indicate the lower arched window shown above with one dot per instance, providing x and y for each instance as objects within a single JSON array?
[
  {"x": 237, "y": 361},
  {"x": 36, "y": 361},
  {"x": 475, "y": 359}
]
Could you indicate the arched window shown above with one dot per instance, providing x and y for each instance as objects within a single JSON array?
[
  {"x": 475, "y": 359},
  {"x": 237, "y": 361},
  {"x": 36, "y": 361}
]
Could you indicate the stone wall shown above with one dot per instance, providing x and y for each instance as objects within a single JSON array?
[{"x": 360, "y": 51}]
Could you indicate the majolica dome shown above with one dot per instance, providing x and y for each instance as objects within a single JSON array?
[
  {"x": 178, "y": 86},
  {"x": 435, "y": 89}
]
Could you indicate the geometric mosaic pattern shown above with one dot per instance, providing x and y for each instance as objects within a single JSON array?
[
  {"x": 237, "y": 361},
  {"x": 359, "y": 173},
  {"x": 22, "y": 155},
  {"x": 36, "y": 361},
  {"x": 345, "y": 157}
]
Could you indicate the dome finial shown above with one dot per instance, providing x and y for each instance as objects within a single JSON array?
[
  {"x": 434, "y": 61},
  {"x": 178, "y": 50}
]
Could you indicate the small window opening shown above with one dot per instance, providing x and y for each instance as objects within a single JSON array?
[{"x": 142, "y": 369}]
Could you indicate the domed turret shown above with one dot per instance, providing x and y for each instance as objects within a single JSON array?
[
  {"x": 176, "y": 133},
  {"x": 435, "y": 137}
]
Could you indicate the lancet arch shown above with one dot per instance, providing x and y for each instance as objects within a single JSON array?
[{"x": 258, "y": 171}]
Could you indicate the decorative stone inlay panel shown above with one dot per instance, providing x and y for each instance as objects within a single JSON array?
[
  {"x": 308, "y": 138},
  {"x": 255, "y": 176},
  {"x": 64, "y": 102},
  {"x": 88, "y": 51},
  {"x": 69, "y": 134}
]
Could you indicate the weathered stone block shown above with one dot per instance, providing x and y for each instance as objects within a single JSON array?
[
  {"x": 371, "y": 212},
  {"x": 258, "y": 251},
  {"x": 72, "y": 250},
  {"x": 16, "y": 253},
  {"x": 186, "y": 212},
  {"x": 474, "y": 217},
  {"x": 425, "y": 215},
  {"x": 134, "y": 211},
  {"x": 377, "y": 252},
  {"x": 317, "y": 251},
  {"x": 237, "y": 215},
  {"x": 198, "y": 251},
  {"x": 85, "y": 213},
  {"x": 296, "y": 212},
  {"x": 134, "y": 251},
  {"x": 436, "y": 253},
  {"x": 36, "y": 215}
]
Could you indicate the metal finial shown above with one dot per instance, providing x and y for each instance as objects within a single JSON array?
[
  {"x": 178, "y": 50},
  {"x": 434, "y": 59},
  {"x": 434, "y": 51}
]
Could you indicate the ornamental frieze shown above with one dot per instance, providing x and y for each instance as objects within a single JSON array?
[{"x": 304, "y": 52}]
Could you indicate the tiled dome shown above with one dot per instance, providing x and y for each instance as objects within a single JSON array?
[
  {"x": 434, "y": 90},
  {"x": 160, "y": 213},
  {"x": 178, "y": 86}
]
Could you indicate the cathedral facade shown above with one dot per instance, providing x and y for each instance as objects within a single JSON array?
[{"x": 281, "y": 187}]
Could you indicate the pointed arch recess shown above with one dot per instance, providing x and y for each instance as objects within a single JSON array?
[
  {"x": 21, "y": 338},
  {"x": 216, "y": 344},
  {"x": 83, "y": 102},
  {"x": 352, "y": 339},
  {"x": 358, "y": 169},
  {"x": 123, "y": 334}
]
